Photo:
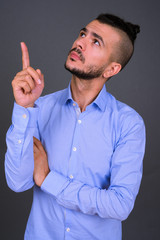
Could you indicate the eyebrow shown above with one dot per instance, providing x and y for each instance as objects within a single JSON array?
[{"x": 93, "y": 34}]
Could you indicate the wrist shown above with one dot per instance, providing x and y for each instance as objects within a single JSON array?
[{"x": 25, "y": 106}]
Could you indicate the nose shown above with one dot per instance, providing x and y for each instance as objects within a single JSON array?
[{"x": 81, "y": 43}]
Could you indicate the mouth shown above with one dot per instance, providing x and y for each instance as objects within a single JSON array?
[{"x": 74, "y": 56}]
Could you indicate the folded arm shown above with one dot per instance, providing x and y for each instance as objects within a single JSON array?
[{"x": 125, "y": 176}]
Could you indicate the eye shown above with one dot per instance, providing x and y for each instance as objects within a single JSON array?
[
  {"x": 96, "y": 42},
  {"x": 82, "y": 34}
]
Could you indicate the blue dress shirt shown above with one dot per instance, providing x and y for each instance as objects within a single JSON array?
[{"x": 95, "y": 160}]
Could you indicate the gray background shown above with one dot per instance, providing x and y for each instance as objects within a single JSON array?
[{"x": 49, "y": 29}]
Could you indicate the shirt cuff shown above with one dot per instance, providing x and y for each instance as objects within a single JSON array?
[
  {"x": 24, "y": 117},
  {"x": 54, "y": 183}
]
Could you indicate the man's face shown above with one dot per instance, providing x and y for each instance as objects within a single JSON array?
[{"x": 91, "y": 52}]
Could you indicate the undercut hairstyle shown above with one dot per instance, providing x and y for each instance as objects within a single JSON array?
[{"x": 123, "y": 50}]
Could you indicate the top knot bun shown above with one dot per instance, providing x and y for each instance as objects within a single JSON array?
[{"x": 132, "y": 30}]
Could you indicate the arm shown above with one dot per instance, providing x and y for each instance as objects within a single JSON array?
[
  {"x": 19, "y": 162},
  {"x": 126, "y": 171}
]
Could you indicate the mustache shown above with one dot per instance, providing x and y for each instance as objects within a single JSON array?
[{"x": 77, "y": 50}]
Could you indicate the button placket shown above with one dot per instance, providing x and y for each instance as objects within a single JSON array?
[{"x": 73, "y": 158}]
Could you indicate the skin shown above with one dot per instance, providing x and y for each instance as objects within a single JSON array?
[
  {"x": 96, "y": 43},
  {"x": 41, "y": 168},
  {"x": 96, "y": 54},
  {"x": 28, "y": 84}
]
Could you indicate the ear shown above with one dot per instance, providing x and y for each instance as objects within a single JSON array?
[{"x": 112, "y": 69}]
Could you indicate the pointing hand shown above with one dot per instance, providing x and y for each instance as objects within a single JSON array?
[{"x": 29, "y": 83}]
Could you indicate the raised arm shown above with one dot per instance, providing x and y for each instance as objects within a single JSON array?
[{"x": 27, "y": 87}]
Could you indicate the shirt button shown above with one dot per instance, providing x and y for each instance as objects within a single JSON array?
[
  {"x": 79, "y": 121},
  {"x": 24, "y": 116},
  {"x": 74, "y": 104},
  {"x": 68, "y": 229},
  {"x": 74, "y": 149},
  {"x": 71, "y": 176},
  {"x": 19, "y": 141}
]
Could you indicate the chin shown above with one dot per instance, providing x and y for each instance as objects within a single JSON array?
[{"x": 70, "y": 64}]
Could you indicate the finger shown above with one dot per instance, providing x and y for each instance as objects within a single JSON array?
[
  {"x": 34, "y": 74},
  {"x": 38, "y": 71},
  {"x": 25, "y": 56},
  {"x": 35, "y": 149},
  {"x": 26, "y": 78},
  {"x": 30, "y": 81},
  {"x": 38, "y": 144},
  {"x": 23, "y": 72},
  {"x": 24, "y": 86},
  {"x": 40, "y": 75}
]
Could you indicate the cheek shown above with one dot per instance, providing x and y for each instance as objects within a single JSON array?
[
  {"x": 97, "y": 57},
  {"x": 97, "y": 52}
]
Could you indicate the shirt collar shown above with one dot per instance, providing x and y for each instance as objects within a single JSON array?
[
  {"x": 66, "y": 96},
  {"x": 100, "y": 101}
]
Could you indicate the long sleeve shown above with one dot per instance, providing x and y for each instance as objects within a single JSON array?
[
  {"x": 19, "y": 162},
  {"x": 117, "y": 201},
  {"x": 95, "y": 161}
]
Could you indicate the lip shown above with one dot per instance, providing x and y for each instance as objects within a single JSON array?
[{"x": 74, "y": 55}]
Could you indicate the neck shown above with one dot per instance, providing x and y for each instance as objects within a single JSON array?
[{"x": 85, "y": 92}]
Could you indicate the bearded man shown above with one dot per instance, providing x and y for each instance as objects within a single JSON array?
[{"x": 79, "y": 148}]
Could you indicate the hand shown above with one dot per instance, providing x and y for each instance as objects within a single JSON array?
[
  {"x": 27, "y": 84},
  {"x": 41, "y": 168}
]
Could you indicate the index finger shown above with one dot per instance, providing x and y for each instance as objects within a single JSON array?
[
  {"x": 38, "y": 144},
  {"x": 25, "y": 56}
]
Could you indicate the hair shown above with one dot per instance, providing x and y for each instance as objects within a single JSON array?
[{"x": 128, "y": 32}]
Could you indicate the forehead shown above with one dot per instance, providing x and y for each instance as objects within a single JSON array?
[{"x": 107, "y": 32}]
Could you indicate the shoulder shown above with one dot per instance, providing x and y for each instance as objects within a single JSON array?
[{"x": 123, "y": 113}]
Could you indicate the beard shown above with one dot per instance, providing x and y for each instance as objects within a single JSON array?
[{"x": 91, "y": 72}]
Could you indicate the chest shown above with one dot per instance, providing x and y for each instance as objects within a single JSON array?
[{"x": 81, "y": 146}]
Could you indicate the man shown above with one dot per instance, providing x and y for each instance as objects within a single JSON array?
[{"x": 80, "y": 148}]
